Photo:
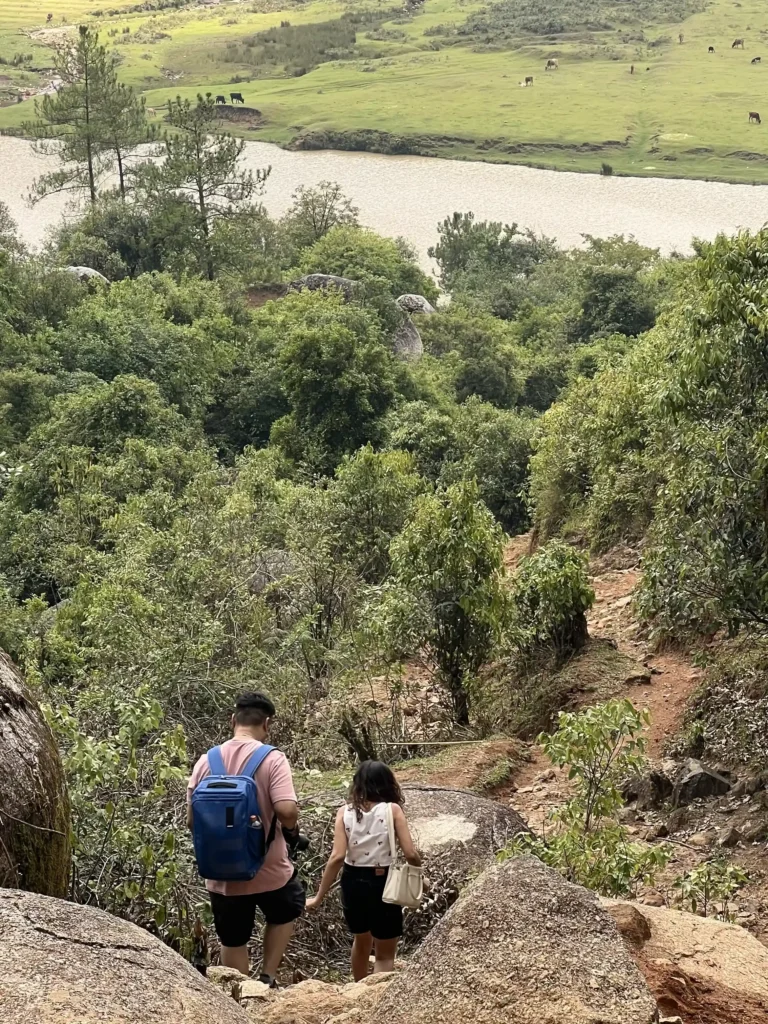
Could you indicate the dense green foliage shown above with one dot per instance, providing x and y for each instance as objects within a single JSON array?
[
  {"x": 670, "y": 444},
  {"x": 211, "y": 481}
]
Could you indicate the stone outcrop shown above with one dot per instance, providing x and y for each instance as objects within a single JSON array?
[
  {"x": 325, "y": 282},
  {"x": 407, "y": 342},
  {"x": 699, "y": 969},
  {"x": 61, "y": 963},
  {"x": 522, "y": 945},
  {"x": 34, "y": 807},
  {"x": 87, "y": 274},
  {"x": 415, "y": 304}
]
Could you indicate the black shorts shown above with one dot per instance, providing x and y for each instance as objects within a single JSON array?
[
  {"x": 365, "y": 911},
  {"x": 235, "y": 916}
]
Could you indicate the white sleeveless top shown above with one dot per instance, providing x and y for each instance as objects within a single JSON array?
[{"x": 368, "y": 839}]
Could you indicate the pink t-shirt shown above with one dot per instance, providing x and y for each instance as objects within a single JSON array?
[{"x": 274, "y": 783}]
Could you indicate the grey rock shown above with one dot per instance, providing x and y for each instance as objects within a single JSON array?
[
  {"x": 522, "y": 945},
  {"x": 697, "y": 782},
  {"x": 325, "y": 282},
  {"x": 65, "y": 963},
  {"x": 650, "y": 791},
  {"x": 407, "y": 342},
  {"x": 730, "y": 839},
  {"x": 86, "y": 274},
  {"x": 415, "y": 304}
]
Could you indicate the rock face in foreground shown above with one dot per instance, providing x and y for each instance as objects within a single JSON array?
[
  {"x": 522, "y": 946},
  {"x": 34, "y": 807},
  {"x": 309, "y": 1002},
  {"x": 66, "y": 964},
  {"x": 699, "y": 969}
]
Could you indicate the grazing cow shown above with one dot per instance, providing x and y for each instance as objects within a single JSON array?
[
  {"x": 756, "y": 60},
  {"x": 236, "y": 97},
  {"x": 528, "y": 80},
  {"x": 711, "y": 49},
  {"x": 221, "y": 99},
  {"x": 551, "y": 65},
  {"x": 754, "y": 117},
  {"x": 737, "y": 43}
]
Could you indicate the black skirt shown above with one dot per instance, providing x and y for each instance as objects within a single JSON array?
[{"x": 364, "y": 909}]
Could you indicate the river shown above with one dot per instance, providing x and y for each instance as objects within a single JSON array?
[{"x": 409, "y": 195}]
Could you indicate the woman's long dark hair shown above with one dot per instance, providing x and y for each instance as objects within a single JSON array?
[{"x": 374, "y": 783}]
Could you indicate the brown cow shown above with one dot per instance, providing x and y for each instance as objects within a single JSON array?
[
  {"x": 528, "y": 80},
  {"x": 737, "y": 43},
  {"x": 754, "y": 117}
]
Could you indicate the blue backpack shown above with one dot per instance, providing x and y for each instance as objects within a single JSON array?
[{"x": 229, "y": 845}]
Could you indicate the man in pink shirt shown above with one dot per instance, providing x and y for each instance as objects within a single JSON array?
[{"x": 275, "y": 889}]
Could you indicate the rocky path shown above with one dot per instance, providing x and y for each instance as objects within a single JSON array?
[{"x": 662, "y": 684}]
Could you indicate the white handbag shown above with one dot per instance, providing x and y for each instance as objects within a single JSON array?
[{"x": 405, "y": 883}]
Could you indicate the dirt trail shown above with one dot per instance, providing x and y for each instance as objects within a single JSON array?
[{"x": 663, "y": 684}]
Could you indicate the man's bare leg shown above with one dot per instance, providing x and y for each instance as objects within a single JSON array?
[
  {"x": 276, "y": 939},
  {"x": 237, "y": 957}
]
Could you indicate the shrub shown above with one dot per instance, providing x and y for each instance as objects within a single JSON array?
[
  {"x": 599, "y": 747},
  {"x": 551, "y": 594},
  {"x": 710, "y": 887},
  {"x": 448, "y": 564}
]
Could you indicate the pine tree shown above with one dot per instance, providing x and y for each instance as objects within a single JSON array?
[
  {"x": 201, "y": 166},
  {"x": 90, "y": 124}
]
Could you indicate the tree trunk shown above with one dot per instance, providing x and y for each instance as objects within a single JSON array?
[
  {"x": 460, "y": 701},
  {"x": 34, "y": 806}
]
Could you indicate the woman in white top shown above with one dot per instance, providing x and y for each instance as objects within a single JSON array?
[{"x": 361, "y": 845}]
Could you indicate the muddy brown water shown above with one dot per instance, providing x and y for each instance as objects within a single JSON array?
[{"x": 408, "y": 196}]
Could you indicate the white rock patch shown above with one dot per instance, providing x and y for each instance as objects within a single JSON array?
[{"x": 442, "y": 830}]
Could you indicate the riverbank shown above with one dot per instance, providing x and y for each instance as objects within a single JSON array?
[
  {"x": 409, "y": 195},
  {"x": 433, "y": 81}
]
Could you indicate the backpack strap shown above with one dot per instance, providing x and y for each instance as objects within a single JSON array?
[
  {"x": 254, "y": 761},
  {"x": 249, "y": 769},
  {"x": 216, "y": 762}
]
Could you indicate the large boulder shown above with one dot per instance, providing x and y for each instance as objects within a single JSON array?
[
  {"x": 85, "y": 274},
  {"x": 415, "y": 304},
  {"x": 34, "y": 807},
  {"x": 521, "y": 945},
  {"x": 61, "y": 963},
  {"x": 458, "y": 832},
  {"x": 697, "y": 782},
  {"x": 699, "y": 969}
]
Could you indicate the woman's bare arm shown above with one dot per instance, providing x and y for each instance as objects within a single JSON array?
[
  {"x": 335, "y": 861},
  {"x": 403, "y": 834}
]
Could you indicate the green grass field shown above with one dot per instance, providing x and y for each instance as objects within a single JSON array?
[{"x": 682, "y": 113}]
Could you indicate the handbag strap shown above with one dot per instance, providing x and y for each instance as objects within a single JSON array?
[{"x": 391, "y": 829}]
